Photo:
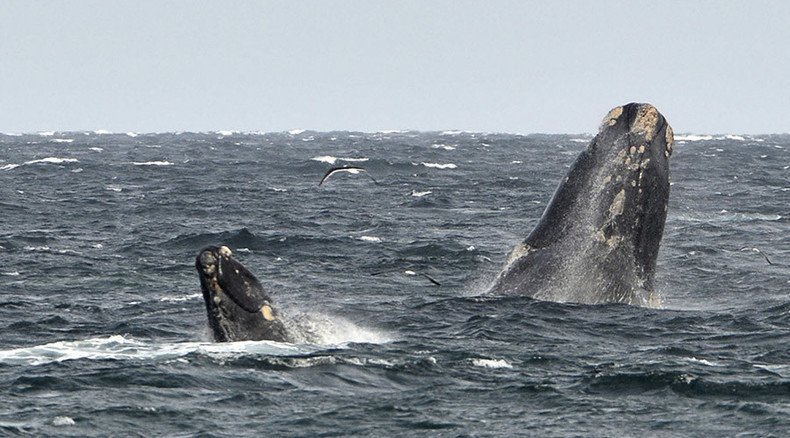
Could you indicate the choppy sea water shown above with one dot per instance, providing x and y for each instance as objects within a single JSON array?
[{"x": 104, "y": 330}]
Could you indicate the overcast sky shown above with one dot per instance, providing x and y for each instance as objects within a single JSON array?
[{"x": 503, "y": 66}]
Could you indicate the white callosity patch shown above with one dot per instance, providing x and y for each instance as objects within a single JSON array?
[
  {"x": 611, "y": 118},
  {"x": 616, "y": 208},
  {"x": 646, "y": 122},
  {"x": 669, "y": 137}
]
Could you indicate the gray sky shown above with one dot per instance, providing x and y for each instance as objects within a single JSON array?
[{"x": 504, "y": 66}]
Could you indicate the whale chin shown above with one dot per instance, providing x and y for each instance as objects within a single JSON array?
[{"x": 599, "y": 236}]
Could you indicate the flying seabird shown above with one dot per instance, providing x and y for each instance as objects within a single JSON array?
[{"x": 354, "y": 170}]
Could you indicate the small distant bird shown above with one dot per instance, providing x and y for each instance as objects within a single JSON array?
[
  {"x": 757, "y": 250},
  {"x": 354, "y": 170},
  {"x": 410, "y": 272}
]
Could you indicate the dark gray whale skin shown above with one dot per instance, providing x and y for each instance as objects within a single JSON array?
[
  {"x": 598, "y": 239},
  {"x": 237, "y": 306}
]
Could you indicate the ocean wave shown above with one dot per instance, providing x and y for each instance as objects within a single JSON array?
[
  {"x": 693, "y": 137},
  {"x": 439, "y": 165},
  {"x": 372, "y": 239},
  {"x": 181, "y": 298},
  {"x": 418, "y": 194},
  {"x": 725, "y": 216},
  {"x": 120, "y": 347},
  {"x": 491, "y": 363},
  {"x": 707, "y": 137},
  {"x": 63, "y": 420},
  {"x": 332, "y": 160},
  {"x": 53, "y": 160},
  {"x": 325, "y": 159},
  {"x": 62, "y": 140},
  {"x": 48, "y": 160},
  {"x": 153, "y": 163},
  {"x": 446, "y": 147},
  {"x": 316, "y": 331}
]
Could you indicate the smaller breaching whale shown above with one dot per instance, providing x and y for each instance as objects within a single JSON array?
[
  {"x": 598, "y": 239},
  {"x": 238, "y": 308}
]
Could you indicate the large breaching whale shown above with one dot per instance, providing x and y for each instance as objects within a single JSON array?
[
  {"x": 238, "y": 308},
  {"x": 598, "y": 239}
]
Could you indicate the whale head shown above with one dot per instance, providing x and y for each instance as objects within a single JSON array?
[
  {"x": 237, "y": 305},
  {"x": 598, "y": 239}
]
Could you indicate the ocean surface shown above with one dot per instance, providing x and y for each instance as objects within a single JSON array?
[{"x": 104, "y": 331}]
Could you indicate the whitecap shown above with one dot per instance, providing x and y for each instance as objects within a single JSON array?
[
  {"x": 119, "y": 347},
  {"x": 10, "y": 274},
  {"x": 53, "y": 160},
  {"x": 332, "y": 160},
  {"x": 439, "y": 166},
  {"x": 46, "y": 133},
  {"x": 132, "y": 134},
  {"x": 102, "y": 132},
  {"x": 417, "y": 194},
  {"x": 10, "y": 166},
  {"x": 703, "y": 362},
  {"x": 446, "y": 147},
  {"x": 372, "y": 239},
  {"x": 97, "y": 149},
  {"x": 516, "y": 162},
  {"x": 153, "y": 163},
  {"x": 62, "y": 140},
  {"x": 178, "y": 299},
  {"x": 726, "y": 216},
  {"x": 63, "y": 421},
  {"x": 580, "y": 140},
  {"x": 781, "y": 369},
  {"x": 734, "y": 137},
  {"x": 113, "y": 189},
  {"x": 37, "y": 248},
  {"x": 692, "y": 137},
  {"x": 225, "y": 133},
  {"x": 325, "y": 159},
  {"x": 296, "y": 131},
  {"x": 491, "y": 363}
]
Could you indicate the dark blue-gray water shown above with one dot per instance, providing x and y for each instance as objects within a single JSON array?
[{"x": 104, "y": 330}]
